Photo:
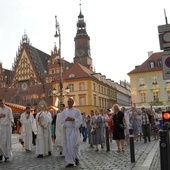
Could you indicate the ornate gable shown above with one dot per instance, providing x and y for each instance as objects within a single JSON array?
[
  {"x": 29, "y": 65},
  {"x": 24, "y": 71}
]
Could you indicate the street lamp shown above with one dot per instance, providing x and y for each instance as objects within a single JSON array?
[
  {"x": 57, "y": 34},
  {"x": 56, "y": 94}
]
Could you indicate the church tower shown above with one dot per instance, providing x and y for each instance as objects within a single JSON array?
[{"x": 82, "y": 44}]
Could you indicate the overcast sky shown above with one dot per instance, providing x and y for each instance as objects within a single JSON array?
[{"x": 121, "y": 32}]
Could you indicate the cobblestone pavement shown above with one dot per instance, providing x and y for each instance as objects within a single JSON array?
[
  {"x": 156, "y": 161},
  {"x": 89, "y": 159}
]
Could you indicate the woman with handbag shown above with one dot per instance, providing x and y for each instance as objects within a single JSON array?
[{"x": 118, "y": 128}]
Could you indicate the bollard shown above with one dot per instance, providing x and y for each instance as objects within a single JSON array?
[
  {"x": 132, "y": 150},
  {"x": 164, "y": 148},
  {"x": 107, "y": 139}
]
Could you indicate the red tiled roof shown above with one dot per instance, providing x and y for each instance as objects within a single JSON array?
[
  {"x": 79, "y": 71},
  {"x": 144, "y": 67}
]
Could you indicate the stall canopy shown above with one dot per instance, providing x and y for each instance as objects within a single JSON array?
[
  {"x": 51, "y": 108},
  {"x": 16, "y": 108}
]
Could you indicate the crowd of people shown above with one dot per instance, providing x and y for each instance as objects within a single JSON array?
[{"x": 68, "y": 126}]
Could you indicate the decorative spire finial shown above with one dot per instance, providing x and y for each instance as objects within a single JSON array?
[
  {"x": 24, "y": 38},
  {"x": 166, "y": 19}
]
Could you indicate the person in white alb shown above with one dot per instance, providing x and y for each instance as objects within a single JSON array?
[
  {"x": 71, "y": 120},
  {"x": 28, "y": 126},
  {"x": 59, "y": 129},
  {"x": 6, "y": 119},
  {"x": 44, "y": 141}
]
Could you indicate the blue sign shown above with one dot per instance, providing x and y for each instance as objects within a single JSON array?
[{"x": 167, "y": 62}]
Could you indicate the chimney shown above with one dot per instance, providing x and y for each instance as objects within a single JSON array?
[{"x": 150, "y": 53}]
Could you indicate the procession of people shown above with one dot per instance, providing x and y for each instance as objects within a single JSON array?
[{"x": 65, "y": 128}]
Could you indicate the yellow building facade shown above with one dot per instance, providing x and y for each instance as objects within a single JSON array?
[
  {"x": 147, "y": 84},
  {"x": 90, "y": 90}
]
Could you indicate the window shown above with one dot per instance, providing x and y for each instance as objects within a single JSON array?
[
  {"x": 143, "y": 97},
  {"x": 95, "y": 100},
  {"x": 82, "y": 100},
  {"x": 28, "y": 99},
  {"x": 108, "y": 92},
  {"x": 81, "y": 86},
  {"x": 102, "y": 89},
  {"x": 167, "y": 81},
  {"x": 154, "y": 80},
  {"x": 54, "y": 78},
  {"x": 168, "y": 94},
  {"x": 46, "y": 79},
  {"x": 50, "y": 79},
  {"x": 50, "y": 71},
  {"x": 151, "y": 64},
  {"x": 100, "y": 102},
  {"x": 141, "y": 81},
  {"x": 71, "y": 87},
  {"x": 155, "y": 96},
  {"x": 35, "y": 100},
  {"x": 159, "y": 62},
  {"x": 94, "y": 86},
  {"x": 71, "y": 75}
]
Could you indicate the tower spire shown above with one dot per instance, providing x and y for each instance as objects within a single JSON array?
[
  {"x": 81, "y": 25},
  {"x": 80, "y": 7}
]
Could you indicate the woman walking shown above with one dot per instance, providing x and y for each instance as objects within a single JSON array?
[{"x": 118, "y": 129}]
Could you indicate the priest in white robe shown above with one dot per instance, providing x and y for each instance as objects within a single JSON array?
[
  {"x": 28, "y": 126},
  {"x": 59, "y": 129},
  {"x": 6, "y": 119},
  {"x": 50, "y": 143},
  {"x": 71, "y": 121},
  {"x": 44, "y": 142}
]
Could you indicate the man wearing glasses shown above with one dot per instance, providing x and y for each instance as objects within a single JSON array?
[{"x": 6, "y": 119}]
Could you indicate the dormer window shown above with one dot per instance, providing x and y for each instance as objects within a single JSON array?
[
  {"x": 71, "y": 75},
  {"x": 159, "y": 62},
  {"x": 151, "y": 64}
]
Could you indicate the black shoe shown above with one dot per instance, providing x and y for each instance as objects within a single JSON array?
[
  {"x": 1, "y": 157},
  {"x": 149, "y": 139},
  {"x": 40, "y": 156},
  {"x": 69, "y": 165},
  {"x": 77, "y": 161},
  {"x": 6, "y": 159},
  {"x": 60, "y": 153},
  {"x": 49, "y": 153},
  {"x": 91, "y": 146},
  {"x": 27, "y": 150},
  {"x": 145, "y": 141}
]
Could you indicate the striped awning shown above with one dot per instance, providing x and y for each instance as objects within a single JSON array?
[
  {"x": 52, "y": 108},
  {"x": 16, "y": 108}
]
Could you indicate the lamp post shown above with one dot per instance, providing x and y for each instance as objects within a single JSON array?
[
  {"x": 57, "y": 34},
  {"x": 55, "y": 93}
]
